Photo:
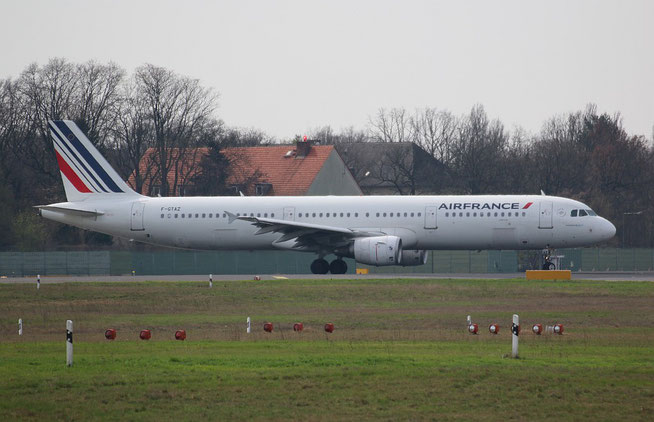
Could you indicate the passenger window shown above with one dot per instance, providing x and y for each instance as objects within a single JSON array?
[
  {"x": 384, "y": 214},
  {"x": 467, "y": 214},
  {"x": 391, "y": 214},
  {"x": 348, "y": 214},
  {"x": 169, "y": 215},
  {"x": 182, "y": 215},
  {"x": 265, "y": 215},
  {"x": 524, "y": 213},
  {"x": 341, "y": 214},
  {"x": 314, "y": 214},
  {"x": 162, "y": 215},
  {"x": 320, "y": 215},
  {"x": 272, "y": 215},
  {"x": 224, "y": 215},
  {"x": 419, "y": 214},
  {"x": 460, "y": 214},
  {"x": 447, "y": 214},
  {"x": 211, "y": 215},
  {"x": 573, "y": 213},
  {"x": 502, "y": 214},
  {"x": 582, "y": 213},
  {"x": 377, "y": 214},
  {"x": 411, "y": 214},
  {"x": 367, "y": 214},
  {"x": 356, "y": 214},
  {"x": 327, "y": 215},
  {"x": 175, "y": 215},
  {"x": 474, "y": 214},
  {"x": 495, "y": 214}
]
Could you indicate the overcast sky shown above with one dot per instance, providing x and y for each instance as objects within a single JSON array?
[{"x": 287, "y": 66}]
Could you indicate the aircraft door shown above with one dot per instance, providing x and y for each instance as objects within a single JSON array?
[
  {"x": 289, "y": 213},
  {"x": 430, "y": 217},
  {"x": 137, "y": 216},
  {"x": 545, "y": 216}
]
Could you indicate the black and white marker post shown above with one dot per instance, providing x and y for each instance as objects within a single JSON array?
[
  {"x": 515, "y": 331},
  {"x": 69, "y": 343},
  {"x": 38, "y": 281},
  {"x": 210, "y": 280},
  {"x": 248, "y": 326},
  {"x": 20, "y": 326}
]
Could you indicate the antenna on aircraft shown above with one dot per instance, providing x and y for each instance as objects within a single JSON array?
[{"x": 542, "y": 193}]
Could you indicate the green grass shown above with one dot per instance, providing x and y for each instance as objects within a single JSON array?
[{"x": 400, "y": 351}]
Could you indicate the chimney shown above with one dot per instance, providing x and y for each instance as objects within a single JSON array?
[{"x": 303, "y": 147}]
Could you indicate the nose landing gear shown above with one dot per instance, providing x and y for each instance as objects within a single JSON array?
[{"x": 321, "y": 266}]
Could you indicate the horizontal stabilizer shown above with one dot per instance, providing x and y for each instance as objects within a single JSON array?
[{"x": 70, "y": 210}]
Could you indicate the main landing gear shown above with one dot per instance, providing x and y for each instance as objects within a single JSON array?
[{"x": 321, "y": 266}]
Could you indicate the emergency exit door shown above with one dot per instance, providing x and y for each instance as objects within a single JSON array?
[
  {"x": 545, "y": 216},
  {"x": 430, "y": 217},
  {"x": 137, "y": 216},
  {"x": 289, "y": 213}
]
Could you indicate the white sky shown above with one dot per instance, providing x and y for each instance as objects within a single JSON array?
[{"x": 287, "y": 66}]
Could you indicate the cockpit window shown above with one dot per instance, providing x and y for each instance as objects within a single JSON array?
[
  {"x": 582, "y": 213},
  {"x": 573, "y": 213},
  {"x": 592, "y": 213}
]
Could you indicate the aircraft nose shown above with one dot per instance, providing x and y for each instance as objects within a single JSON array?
[{"x": 607, "y": 229}]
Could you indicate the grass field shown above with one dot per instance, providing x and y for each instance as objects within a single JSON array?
[{"x": 400, "y": 351}]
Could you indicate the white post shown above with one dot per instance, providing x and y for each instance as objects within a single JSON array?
[
  {"x": 210, "y": 280},
  {"x": 38, "y": 281},
  {"x": 515, "y": 331},
  {"x": 469, "y": 320},
  {"x": 20, "y": 326},
  {"x": 69, "y": 343},
  {"x": 249, "y": 325}
]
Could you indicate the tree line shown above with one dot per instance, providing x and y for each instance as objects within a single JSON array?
[{"x": 585, "y": 154}]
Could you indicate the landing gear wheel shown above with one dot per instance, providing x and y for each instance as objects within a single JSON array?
[
  {"x": 548, "y": 265},
  {"x": 320, "y": 266},
  {"x": 338, "y": 266}
]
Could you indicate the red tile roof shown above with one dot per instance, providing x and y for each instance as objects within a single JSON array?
[{"x": 288, "y": 176}]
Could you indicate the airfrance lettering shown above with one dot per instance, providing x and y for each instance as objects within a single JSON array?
[{"x": 481, "y": 206}]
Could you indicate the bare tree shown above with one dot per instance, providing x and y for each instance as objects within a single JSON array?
[
  {"x": 181, "y": 112},
  {"x": 435, "y": 131},
  {"x": 392, "y": 125}
]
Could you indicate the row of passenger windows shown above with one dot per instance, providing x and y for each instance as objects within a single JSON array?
[
  {"x": 582, "y": 213},
  {"x": 356, "y": 214},
  {"x": 300, "y": 215},
  {"x": 488, "y": 214}
]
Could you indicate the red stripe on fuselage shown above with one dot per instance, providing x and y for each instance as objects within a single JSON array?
[
  {"x": 71, "y": 175},
  {"x": 527, "y": 206}
]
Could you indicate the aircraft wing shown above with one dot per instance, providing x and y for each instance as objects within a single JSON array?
[{"x": 306, "y": 235}]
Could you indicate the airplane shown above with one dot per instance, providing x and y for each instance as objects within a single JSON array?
[{"x": 374, "y": 230}]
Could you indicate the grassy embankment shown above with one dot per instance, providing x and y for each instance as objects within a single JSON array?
[{"x": 400, "y": 351}]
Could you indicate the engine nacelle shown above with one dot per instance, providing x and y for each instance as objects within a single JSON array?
[
  {"x": 378, "y": 250},
  {"x": 413, "y": 258}
]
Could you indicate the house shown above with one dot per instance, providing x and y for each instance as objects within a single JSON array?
[
  {"x": 279, "y": 170},
  {"x": 394, "y": 168}
]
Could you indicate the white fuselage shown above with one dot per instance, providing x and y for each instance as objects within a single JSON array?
[{"x": 422, "y": 222}]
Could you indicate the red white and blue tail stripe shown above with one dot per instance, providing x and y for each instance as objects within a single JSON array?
[{"x": 85, "y": 173}]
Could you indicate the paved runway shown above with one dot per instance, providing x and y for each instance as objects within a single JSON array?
[{"x": 609, "y": 276}]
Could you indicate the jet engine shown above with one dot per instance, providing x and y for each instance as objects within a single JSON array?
[
  {"x": 413, "y": 258},
  {"x": 378, "y": 250}
]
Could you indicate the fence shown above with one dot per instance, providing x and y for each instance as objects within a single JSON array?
[{"x": 281, "y": 262}]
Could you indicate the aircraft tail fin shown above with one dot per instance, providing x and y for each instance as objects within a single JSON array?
[{"x": 84, "y": 171}]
